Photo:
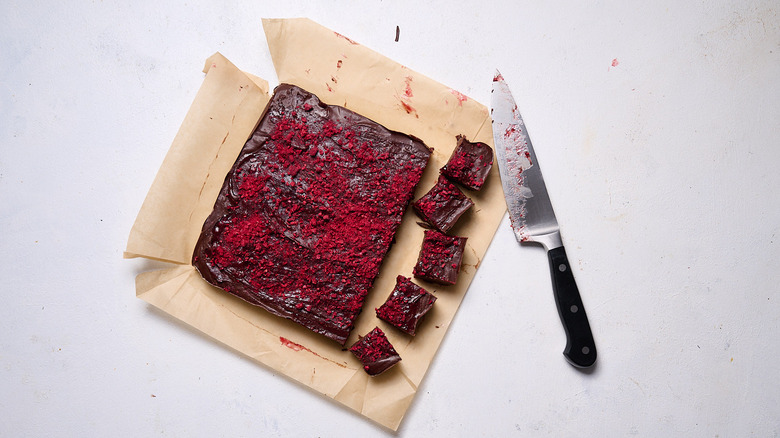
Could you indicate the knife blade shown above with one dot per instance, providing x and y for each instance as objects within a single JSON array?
[{"x": 533, "y": 219}]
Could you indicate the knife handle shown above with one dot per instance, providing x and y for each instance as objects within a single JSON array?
[{"x": 580, "y": 348}]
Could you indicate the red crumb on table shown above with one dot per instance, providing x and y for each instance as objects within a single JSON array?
[{"x": 615, "y": 62}]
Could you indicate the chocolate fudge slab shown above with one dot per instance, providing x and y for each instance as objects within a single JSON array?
[
  {"x": 469, "y": 163},
  {"x": 308, "y": 211},
  {"x": 440, "y": 258},
  {"x": 443, "y": 205},
  {"x": 375, "y": 352},
  {"x": 406, "y": 305}
]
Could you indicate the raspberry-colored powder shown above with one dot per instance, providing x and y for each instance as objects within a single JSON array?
[
  {"x": 375, "y": 352},
  {"x": 440, "y": 257},
  {"x": 407, "y": 304},
  {"x": 469, "y": 164},
  {"x": 443, "y": 205},
  {"x": 307, "y": 214}
]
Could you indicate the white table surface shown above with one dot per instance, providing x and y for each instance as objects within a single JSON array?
[{"x": 657, "y": 125}]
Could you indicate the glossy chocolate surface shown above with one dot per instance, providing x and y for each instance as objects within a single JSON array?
[
  {"x": 406, "y": 305},
  {"x": 440, "y": 258},
  {"x": 443, "y": 205},
  {"x": 309, "y": 210},
  {"x": 469, "y": 164},
  {"x": 375, "y": 352}
]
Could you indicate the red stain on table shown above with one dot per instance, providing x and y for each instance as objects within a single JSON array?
[{"x": 615, "y": 62}]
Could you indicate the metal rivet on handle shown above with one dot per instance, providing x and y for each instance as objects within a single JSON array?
[{"x": 561, "y": 267}]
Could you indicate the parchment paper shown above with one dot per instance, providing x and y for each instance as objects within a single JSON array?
[{"x": 223, "y": 115}]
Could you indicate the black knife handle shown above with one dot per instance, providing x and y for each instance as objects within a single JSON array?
[{"x": 580, "y": 348}]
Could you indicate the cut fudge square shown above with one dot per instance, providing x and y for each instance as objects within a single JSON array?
[
  {"x": 406, "y": 305},
  {"x": 375, "y": 352},
  {"x": 309, "y": 210},
  {"x": 440, "y": 258},
  {"x": 443, "y": 205},
  {"x": 469, "y": 163}
]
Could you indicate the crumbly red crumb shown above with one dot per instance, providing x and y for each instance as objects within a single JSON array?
[
  {"x": 440, "y": 257},
  {"x": 375, "y": 352},
  {"x": 443, "y": 205},
  {"x": 406, "y": 305},
  {"x": 469, "y": 163},
  {"x": 308, "y": 213}
]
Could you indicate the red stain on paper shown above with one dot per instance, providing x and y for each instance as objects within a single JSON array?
[
  {"x": 342, "y": 36},
  {"x": 406, "y": 96},
  {"x": 298, "y": 347},
  {"x": 409, "y": 109},
  {"x": 408, "y": 88},
  {"x": 461, "y": 97},
  {"x": 292, "y": 345}
]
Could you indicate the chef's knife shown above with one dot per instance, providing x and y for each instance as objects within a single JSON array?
[{"x": 533, "y": 218}]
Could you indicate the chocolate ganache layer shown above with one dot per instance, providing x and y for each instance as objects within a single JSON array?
[{"x": 309, "y": 210}]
